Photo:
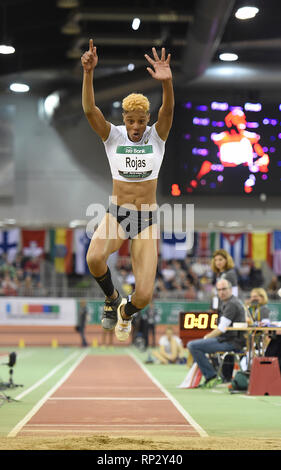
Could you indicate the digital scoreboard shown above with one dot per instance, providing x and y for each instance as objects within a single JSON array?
[{"x": 195, "y": 325}]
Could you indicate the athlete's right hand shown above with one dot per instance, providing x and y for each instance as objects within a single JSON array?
[{"x": 89, "y": 59}]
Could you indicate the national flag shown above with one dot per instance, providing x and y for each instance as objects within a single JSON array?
[
  {"x": 33, "y": 242},
  {"x": 205, "y": 243},
  {"x": 61, "y": 249},
  {"x": 9, "y": 242},
  {"x": 234, "y": 244},
  {"x": 173, "y": 245},
  {"x": 81, "y": 245},
  {"x": 259, "y": 247},
  {"x": 277, "y": 252}
]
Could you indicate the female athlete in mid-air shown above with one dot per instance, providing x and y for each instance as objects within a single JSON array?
[{"x": 135, "y": 152}]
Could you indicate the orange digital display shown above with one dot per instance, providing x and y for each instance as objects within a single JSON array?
[
  {"x": 194, "y": 325},
  {"x": 202, "y": 321}
]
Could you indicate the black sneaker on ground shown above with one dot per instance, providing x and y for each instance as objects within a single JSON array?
[{"x": 109, "y": 315}]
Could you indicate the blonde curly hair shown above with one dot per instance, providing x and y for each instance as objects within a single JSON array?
[
  {"x": 135, "y": 102},
  {"x": 226, "y": 256}
]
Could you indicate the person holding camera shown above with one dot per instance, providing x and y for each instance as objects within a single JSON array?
[
  {"x": 257, "y": 309},
  {"x": 258, "y": 313}
]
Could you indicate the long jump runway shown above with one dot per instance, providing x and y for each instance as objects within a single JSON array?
[{"x": 112, "y": 394}]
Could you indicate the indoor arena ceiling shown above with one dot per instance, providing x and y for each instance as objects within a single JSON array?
[{"x": 49, "y": 36}]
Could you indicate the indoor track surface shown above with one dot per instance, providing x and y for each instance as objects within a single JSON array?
[{"x": 108, "y": 398}]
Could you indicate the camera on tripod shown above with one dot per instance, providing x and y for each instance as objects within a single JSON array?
[{"x": 10, "y": 364}]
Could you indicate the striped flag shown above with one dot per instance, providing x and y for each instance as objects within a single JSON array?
[
  {"x": 9, "y": 241},
  {"x": 277, "y": 252},
  {"x": 234, "y": 244},
  {"x": 81, "y": 245},
  {"x": 259, "y": 247},
  {"x": 205, "y": 243},
  {"x": 61, "y": 249}
]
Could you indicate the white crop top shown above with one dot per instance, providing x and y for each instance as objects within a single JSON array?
[{"x": 134, "y": 161}]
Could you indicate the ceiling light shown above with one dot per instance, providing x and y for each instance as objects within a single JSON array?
[
  {"x": 116, "y": 104},
  {"x": 10, "y": 221},
  {"x": 136, "y": 23},
  {"x": 19, "y": 87},
  {"x": 228, "y": 56},
  {"x": 67, "y": 3},
  {"x": 6, "y": 49},
  {"x": 245, "y": 13},
  {"x": 51, "y": 103},
  {"x": 76, "y": 223}
]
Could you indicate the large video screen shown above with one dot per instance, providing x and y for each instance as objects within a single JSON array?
[{"x": 219, "y": 147}]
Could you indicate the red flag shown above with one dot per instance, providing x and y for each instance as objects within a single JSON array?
[{"x": 33, "y": 242}]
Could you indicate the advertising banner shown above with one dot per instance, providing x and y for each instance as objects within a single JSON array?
[{"x": 37, "y": 311}]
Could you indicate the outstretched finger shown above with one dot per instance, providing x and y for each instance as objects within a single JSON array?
[
  {"x": 163, "y": 53},
  {"x": 152, "y": 73},
  {"x": 168, "y": 59},
  {"x": 155, "y": 55},
  {"x": 151, "y": 61},
  {"x": 91, "y": 45}
]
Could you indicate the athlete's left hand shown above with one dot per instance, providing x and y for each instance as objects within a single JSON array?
[{"x": 161, "y": 66}]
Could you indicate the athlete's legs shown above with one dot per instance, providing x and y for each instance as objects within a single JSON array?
[
  {"x": 144, "y": 265},
  {"x": 106, "y": 240}
]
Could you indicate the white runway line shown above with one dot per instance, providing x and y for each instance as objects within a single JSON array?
[
  {"x": 46, "y": 377},
  {"x": 41, "y": 402},
  {"x": 185, "y": 414},
  {"x": 108, "y": 425},
  {"x": 110, "y": 398}
]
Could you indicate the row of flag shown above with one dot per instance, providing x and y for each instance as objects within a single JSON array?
[
  {"x": 60, "y": 244},
  {"x": 63, "y": 243},
  {"x": 258, "y": 246}
]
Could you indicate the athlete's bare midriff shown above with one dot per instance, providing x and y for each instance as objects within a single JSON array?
[{"x": 136, "y": 194}]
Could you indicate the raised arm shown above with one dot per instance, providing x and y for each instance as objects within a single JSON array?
[
  {"x": 161, "y": 71},
  {"x": 94, "y": 115}
]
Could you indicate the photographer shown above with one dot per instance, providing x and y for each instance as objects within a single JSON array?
[
  {"x": 257, "y": 309},
  {"x": 258, "y": 313}
]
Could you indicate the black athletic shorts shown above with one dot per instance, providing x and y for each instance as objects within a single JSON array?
[{"x": 132, "y": 222}]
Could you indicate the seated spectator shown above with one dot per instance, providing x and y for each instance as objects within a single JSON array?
[
  {"x": 168, "y": 274},
  {"x": 27, "y": 287},
  {"x": 190, "y": 292},
  {"x": 257, "y": 309},
  {"x": 258, "y": 313},
  {"x": 3, "y": 258},
  {"x": 244, "y": 274},
  {"x": 273, "y": 288},
  {"x": 32, "y": 268},
  {"x": 171, "y": 350},
  {"x": 201, "y": 267},
  {"x": 160, "y": 288},
  {"x": 7, "y": 268},
  {"x": 8, "y": 286},
  {"x": 256, "y": 276},
  {"x": 18, "y": 261}
]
